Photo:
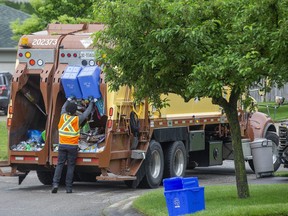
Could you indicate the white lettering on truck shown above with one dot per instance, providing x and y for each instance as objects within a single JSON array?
[{"x": 44, "y": 42}]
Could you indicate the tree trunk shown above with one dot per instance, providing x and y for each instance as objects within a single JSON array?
[
  {"x": 240, "y": 171},
  {"x": 231, "y": 111}
]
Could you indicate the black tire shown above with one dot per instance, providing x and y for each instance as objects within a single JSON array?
[
  {"x": 5, "y": 111},
  {"x": 45, "y": 177},
  {"x": 139, "y": 176},
  {"x": 251, "y": 164},
  {"x": 86, "y": 177},
  {"x": 153, "y": 166},
  {"x": 175, "y": 160},
  {"x": 275, "y": 142}
]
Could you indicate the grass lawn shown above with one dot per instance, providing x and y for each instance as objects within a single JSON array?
[
  {"x": 3, "y": 140},
  {"x": 277, "y": 113},
  {"x": 264, "y": 200},
  {"x": 281, "y": 174}
]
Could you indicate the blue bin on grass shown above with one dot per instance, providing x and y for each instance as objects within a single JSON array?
[
  {"x": 183, "y": 195},
  {"x": 174, "y": 183},
  {"x": 70, "y": 82},
  {"x": 190, "y": 182},
  {"x": 89, "y": 79}
]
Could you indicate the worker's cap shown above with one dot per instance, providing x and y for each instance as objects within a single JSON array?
[{"x": 71, "y": 108}]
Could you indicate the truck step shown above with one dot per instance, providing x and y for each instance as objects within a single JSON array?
[
  {"x": 138, "y": 154},
  {"x": 112, "y": 177},
  {"x": 13, "y": 172},
  {"x": 4, "y": 164}
]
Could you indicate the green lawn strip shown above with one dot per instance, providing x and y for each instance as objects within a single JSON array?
[
  {"x": 267, "y": 200},
  {"x": 281, "y": 174},
  {"x": 277, "y": 113},
  {"x": 3, "y": 141}
]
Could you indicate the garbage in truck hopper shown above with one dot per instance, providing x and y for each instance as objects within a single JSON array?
[
  {"x": 90, "y": 140},
  {"x": 34, "y": 142}
]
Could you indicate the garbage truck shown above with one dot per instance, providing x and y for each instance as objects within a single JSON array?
[
  {"x": 122, "y": 139},
  {"x": 283, "y": 144}
]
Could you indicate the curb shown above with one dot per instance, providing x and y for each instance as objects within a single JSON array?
[{"x": 123, "y": 208}]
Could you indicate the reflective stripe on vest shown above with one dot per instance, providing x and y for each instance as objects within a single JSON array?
[
  {"x": 67, "y": 125},
  {"x": 68, "y": 128}
]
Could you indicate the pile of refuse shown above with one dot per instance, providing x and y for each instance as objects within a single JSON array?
[
  {"x": 90, "y": 140},
  {"x": 87, "y": 147},
  {"x": 35, "y": 142},
  {"x": 92, "y": 147}
]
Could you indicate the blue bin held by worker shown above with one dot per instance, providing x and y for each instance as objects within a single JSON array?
[
  {"x": 70, "y": 82},
  {"x": 183, "y": 195},
  {"x": 89, "y": 79}
]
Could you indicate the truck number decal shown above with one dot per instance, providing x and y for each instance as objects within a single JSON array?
[
  {"x": 87, "y": 55},
  {"x": 44, "y": 42}
]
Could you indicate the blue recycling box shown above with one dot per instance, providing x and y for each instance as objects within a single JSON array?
[
  {"x": 89, "y": 79},
  {"x": 185, "y": 201},
  {"x": 176, "y": 183},
  {"x": 190, "y": 182},
  {"x": 70, "y": 82},
  {"x": 183, "y": 195}
]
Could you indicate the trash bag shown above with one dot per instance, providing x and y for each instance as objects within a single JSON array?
[
  {"x": 43, "y": 135},
  {"x": 34, "y": 134}
]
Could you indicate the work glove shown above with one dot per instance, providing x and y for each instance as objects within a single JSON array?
[
  {"x": 71, "y": 98},
  {"x": 90, "y": 99}
]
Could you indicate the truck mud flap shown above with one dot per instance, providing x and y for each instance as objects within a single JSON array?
[{"x": 21, "y": 177}]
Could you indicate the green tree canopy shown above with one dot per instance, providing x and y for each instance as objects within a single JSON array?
[
  {"x": 51, "y": 11},
  {"x": 196, "y": 49}
]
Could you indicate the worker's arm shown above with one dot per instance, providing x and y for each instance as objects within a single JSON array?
[
  {"x": 63, "y": 110},
  {"x": 84, "y": 115}
]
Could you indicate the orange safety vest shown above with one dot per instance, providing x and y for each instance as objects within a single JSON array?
[{"x": 69, "y": 131}]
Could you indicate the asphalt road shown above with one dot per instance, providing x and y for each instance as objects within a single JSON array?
[
  {"x": 103, "y": 198},
  {"x": 33, "y": 198}
]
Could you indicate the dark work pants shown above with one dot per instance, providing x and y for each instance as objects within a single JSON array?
[{"x": 65, "y": 153}]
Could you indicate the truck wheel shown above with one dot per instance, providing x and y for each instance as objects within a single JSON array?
[
  {"x": 86, "y": 177},
  {"x": 175, "y": 160},
  {"x": 5, "y": 111},
  {"x": 45, "y": 177},
  {"x": 251, "y": 164},
  {"x": 154, "y": 166},
  {"x": 275, "y": 142}
]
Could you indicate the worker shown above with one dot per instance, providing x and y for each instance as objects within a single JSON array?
[{"x": 69, "y": 133}]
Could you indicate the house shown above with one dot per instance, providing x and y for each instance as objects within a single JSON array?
[{"x": 8, "y": 47}]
